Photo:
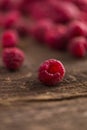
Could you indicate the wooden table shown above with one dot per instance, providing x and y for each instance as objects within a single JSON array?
[{"x": 26, "y": 104}]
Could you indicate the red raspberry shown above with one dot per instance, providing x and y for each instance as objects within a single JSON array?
[
  {"x": 6, "y": 5},
  {"x": 82, "y": 4},
  {"x": 25, "y": 6},
  {"x": 78, "y": 47},
  {"x": 13, "y": 58},
  {"x": 9, "y": 39},
  {"x": 63, "y": 11},
  {"x": 55, "y": 37},
  {"x": 22, "y": 28},
  {"x": 51, "y": 72},
  {"x": 51, "y": 38},
  {"x": 40, "y": 10},
  {"x": 1, "y": 20},
  {"x": 39, "y": 29},
  {"x": 11, "y": 19},
  {"x": 77, "y": 28}
]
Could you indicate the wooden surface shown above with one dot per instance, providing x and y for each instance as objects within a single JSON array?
[
  {"x": 26, "y": 104},
  {"x": 64, "y": 115}
]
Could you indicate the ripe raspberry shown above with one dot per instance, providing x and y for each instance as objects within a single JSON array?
[
  {"x": 39, "y": 29},
  {"x": 1, "y": 20},
  {"x": 6, "y": 5},
  {"x": 55, "y": 38},
  {"x": 24, "y": 6},
  {"x": 78, "y": 47},
  {"x": 77, "y": 28},
  {"x": 22, "y": 28},
  {"x": 9, "y": 39},
  {"x": 51, "y": 72},
  {"x": 51, "y": 38},
  {"x": 11, "y": 19},
  {"x": 13, "y": 58},
  {"x": 82, "y": 4},
  {"x": 63, "y": 11},
  {"x": 40, "y": 10}
]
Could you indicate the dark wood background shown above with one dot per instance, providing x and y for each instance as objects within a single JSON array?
[{"x": 26, "y": 104}]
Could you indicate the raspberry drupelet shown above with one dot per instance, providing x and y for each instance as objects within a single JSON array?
[
  {"x": 9, "y": 39},
  {"x": 51, "y": 72},
  {"x": 13, "y": 58}
]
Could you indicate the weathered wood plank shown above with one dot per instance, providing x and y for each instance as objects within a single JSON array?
[
  {"x": 24, "y": 85},
  {"x": 65, "y": 115}
]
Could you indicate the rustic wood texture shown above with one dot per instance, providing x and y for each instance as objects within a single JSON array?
[
  {"x": 24, "y": 85},
  {"x": 65, "y": 115},
  {"x": 26, "y": 104}
]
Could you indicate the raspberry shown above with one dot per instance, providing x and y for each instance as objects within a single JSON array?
[
  {"x": 11, "y": 19},
  {"x": 39, "y": 29},
  {"x": 64, "y": 11},
  {"x": 13, "y": 58},
  {"x": 55, "y": 38},
  {"x": 51, "y": 72},
  {"x": 9, "y": 39},
  {"x": 77, "y": 28},
  {"x": 51, "y": 38},
  {"x": 25, "y": 5},
  {"x": 40, "y": 10},
  {"x": 82, "y": 4},
  {"x": 22, "y": 28},
  {"x": 78, "y": 47},
  {"x": 1, "y": 20},
  {"x": 6, "y": 5}
]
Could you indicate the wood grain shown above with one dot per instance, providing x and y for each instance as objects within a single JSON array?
[
  {"x": 65, "y": 115},
  {"x": 24, "y": 85}
]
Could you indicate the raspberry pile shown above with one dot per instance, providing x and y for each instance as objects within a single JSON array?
[
  {"x": 54, "y": 23},
  {"x": 58, "y": 24}
]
